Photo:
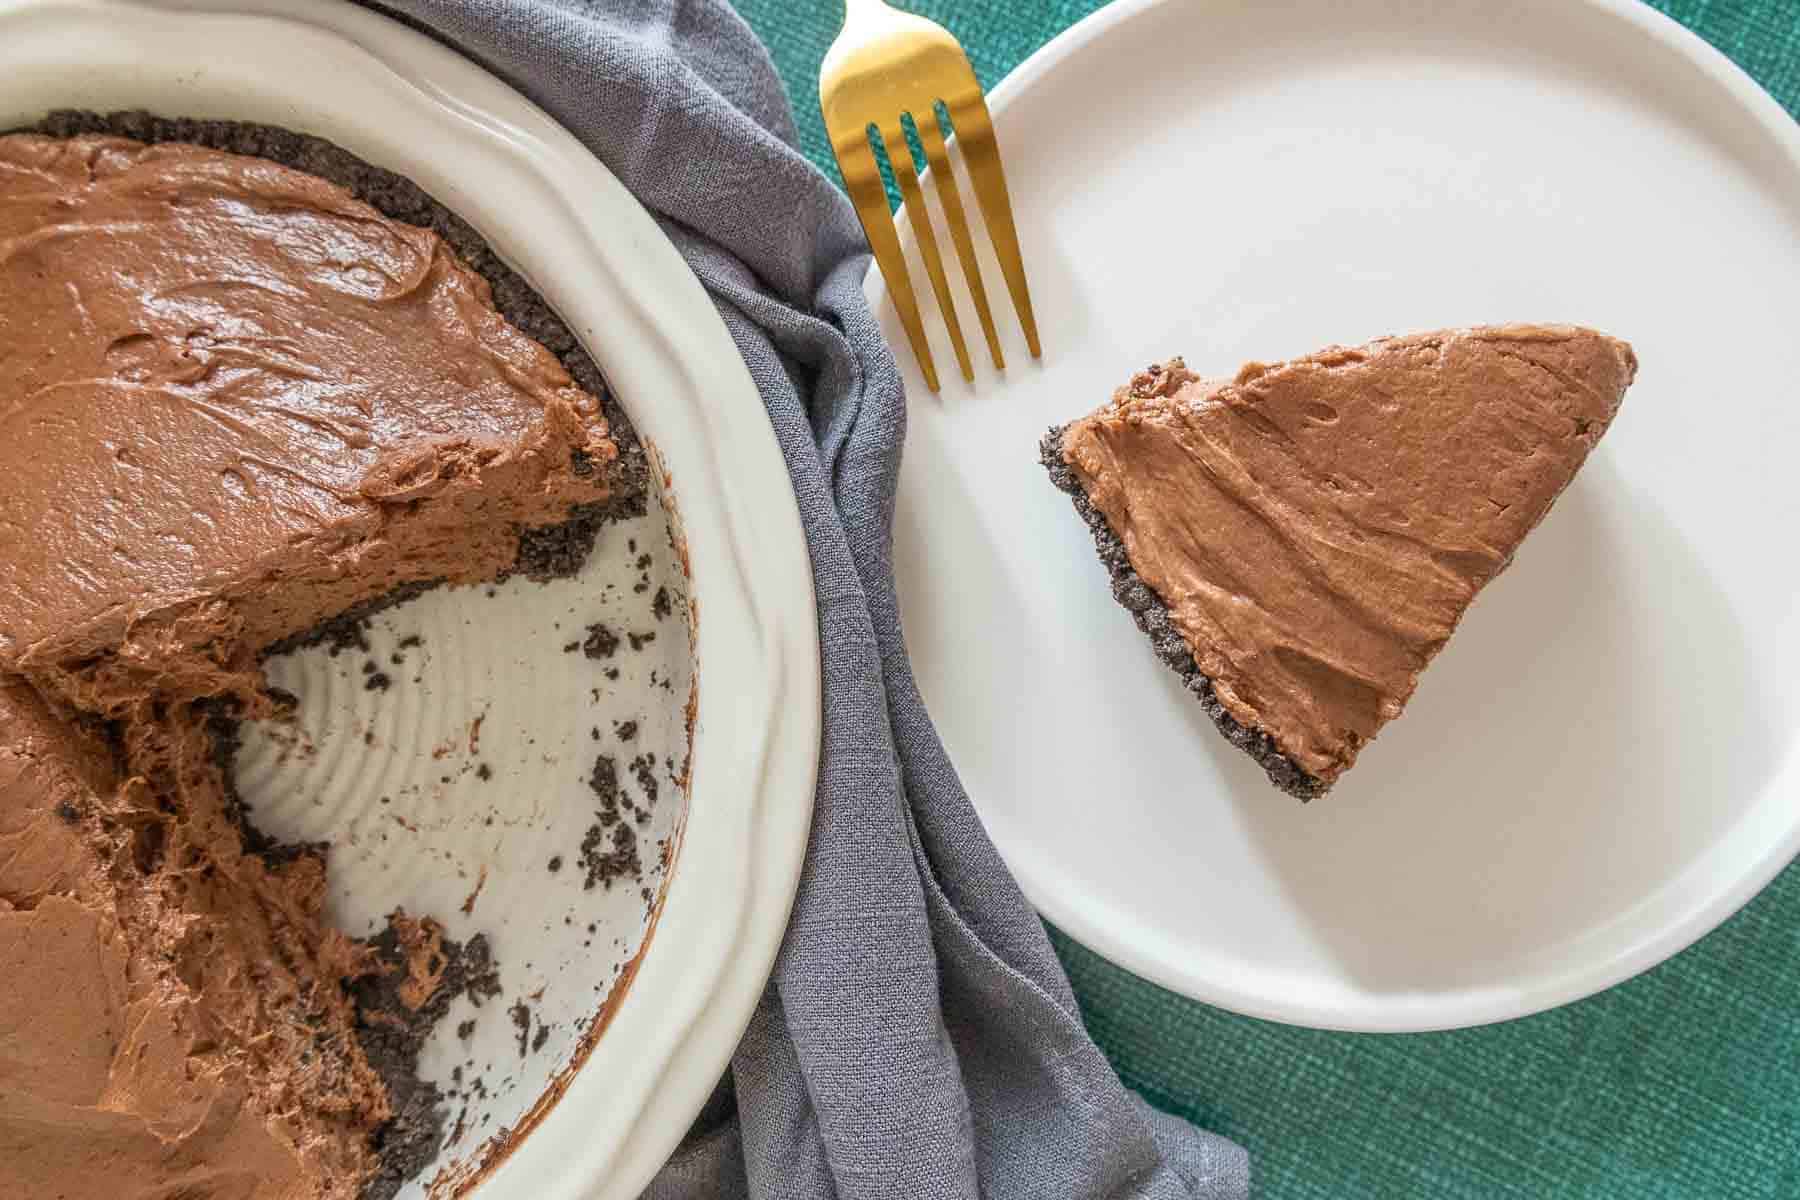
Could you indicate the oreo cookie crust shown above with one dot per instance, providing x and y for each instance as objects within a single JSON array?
[{"x": 1152, "y": 616}]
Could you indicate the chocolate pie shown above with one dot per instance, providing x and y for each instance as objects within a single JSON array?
[
  {"x": 237, "y": 402},
  {"x": 1300, "y": 540}
]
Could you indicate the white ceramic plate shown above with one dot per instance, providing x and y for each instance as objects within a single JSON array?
[
  {"x": 1603, "y": 764},
  {"x": 395, "y": 778}
]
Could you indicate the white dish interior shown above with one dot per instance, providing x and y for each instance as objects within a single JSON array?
[
  {"x": 1605, "y": 761},
  {"x": 460, "y": 787}
]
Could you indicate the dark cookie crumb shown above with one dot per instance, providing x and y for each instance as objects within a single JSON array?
[
  {"x": 392, "y": 1033},
  {"x": 603, "y": 781},
  {"x": 640, "y": 640},
  {"x": 540, "y": 1037},
  {"x": 520, "y": 1013},
  {"x": 661, "y": 606},
  {"x": 600, "y": 643},
  {"x": 559, "y": 551},
  {"x": 612, "y": 672},
  {"x": 484, "y": 772},
  {"x": 606, "y": 860},
  {"x": 643, "y": 769},
  {"x": 625, "y": 731},
  {"x": 555, "y": 864},
  {"x": 349, "y": 630},
  {"x": 1152, "y": 616},
  {"x": 464, "y": 1032},
  {"x": 377, "y": 682}
]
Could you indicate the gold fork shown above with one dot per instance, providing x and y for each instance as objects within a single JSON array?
[{"x": 886, "y": 65}]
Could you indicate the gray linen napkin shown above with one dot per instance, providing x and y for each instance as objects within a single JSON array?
[{"x": 918, "y": 1038}]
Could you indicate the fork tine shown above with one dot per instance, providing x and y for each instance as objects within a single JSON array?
[
  {"x": 862, "y": 178},
  {"x": 907, "y": 175},
  {"x": 975, "y": 134},
  {"x": 931, "y": 136}
]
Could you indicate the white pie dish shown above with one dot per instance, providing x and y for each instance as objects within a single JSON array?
[{"x": 585, "y": 1121}]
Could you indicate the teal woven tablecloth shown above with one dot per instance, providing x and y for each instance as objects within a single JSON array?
[{"x": 1684, "y": 1082}]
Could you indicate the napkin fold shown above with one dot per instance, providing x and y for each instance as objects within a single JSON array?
[{"x": 918, "y": 1037}]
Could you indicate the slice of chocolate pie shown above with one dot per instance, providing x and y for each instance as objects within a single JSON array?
[{"x": 1300, "y": 540}]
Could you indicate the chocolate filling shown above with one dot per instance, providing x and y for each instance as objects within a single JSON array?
[
  {"x": 1152, "y": 616},
  {"x": 400, "y": 198}
]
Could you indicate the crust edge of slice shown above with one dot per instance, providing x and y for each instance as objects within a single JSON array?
[{"x": 1152, "y": 617}]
